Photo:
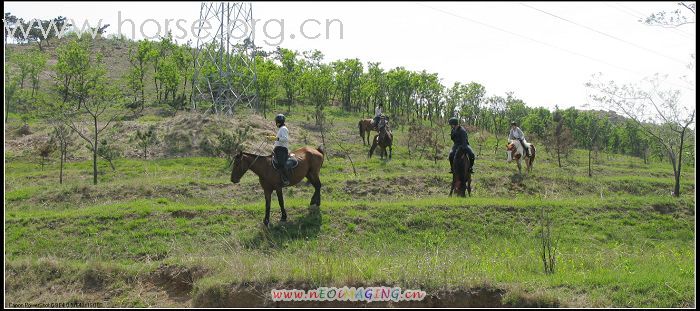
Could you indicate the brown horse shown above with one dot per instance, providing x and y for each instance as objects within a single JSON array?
[
  {"x": 366, "y": 127},
  {"x": 515, "y": 152},
  {"x": 461, "y": 178},
  {"x": 382, "y": 140},
  {"x": 310, "y": 161}
]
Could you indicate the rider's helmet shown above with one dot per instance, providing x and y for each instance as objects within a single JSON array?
[
  {"x": 513, "y": 123},
  {"x": 279, "y": 118},
  {"x": 453, "y": 121}
]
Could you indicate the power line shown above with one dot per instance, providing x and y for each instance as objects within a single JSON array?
[
  {"x": 544, "y": 43},
  {"x": 605, "y": 34}
]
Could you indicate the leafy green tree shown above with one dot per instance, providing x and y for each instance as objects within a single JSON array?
[
  {"x": 268, "y": 75},
  {"x": 98, "y": 102},
  {"x": 139, "y": 56},
  {"x": 347, "y": 78},
  {"x": 290, "y": 73}
]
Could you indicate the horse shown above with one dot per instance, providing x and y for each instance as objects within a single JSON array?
[
  {"x": 310, "y": 161},
  {"x": 365, "y": 126},
  {"x": 513, "y": 148},
  {"x": 382, "y": 140},
  {"x": 461, "y": 177}
]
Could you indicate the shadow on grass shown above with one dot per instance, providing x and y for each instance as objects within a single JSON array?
[{"x": 277, "y": 235}]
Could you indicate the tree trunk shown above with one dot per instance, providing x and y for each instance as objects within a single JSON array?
[
  {"x": 63, "y": 155},
  {"x": 677, "y": 186},
  {"x": 559, "y": 156},
  {"x": 94, "y": 157},
  {"x": 590, "y": 149}
]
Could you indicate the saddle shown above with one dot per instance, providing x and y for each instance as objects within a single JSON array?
[{"x": 292, "y": 162}]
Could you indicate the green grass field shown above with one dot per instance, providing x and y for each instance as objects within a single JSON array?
[{"x": 176, "y": 232}]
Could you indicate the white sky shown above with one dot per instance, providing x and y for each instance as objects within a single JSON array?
[{"x": 452, "y": 40}]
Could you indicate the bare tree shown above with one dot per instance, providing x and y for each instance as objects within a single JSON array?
[
  {"x": 657, "y": 111},
  {"x": 684, "y": 15},
  {"x": 63, "y": 135},
  {"x": 498, "y": 109}
]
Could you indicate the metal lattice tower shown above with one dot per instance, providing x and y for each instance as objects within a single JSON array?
[{"x": 224, "y": 60}]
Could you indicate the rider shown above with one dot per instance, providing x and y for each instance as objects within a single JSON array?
[
  {"x": 377, "y": 115},
  {"x": 461, "y": 141},
  {"x": 281, "y": 150},
  {"x": 517, "y": 134}
]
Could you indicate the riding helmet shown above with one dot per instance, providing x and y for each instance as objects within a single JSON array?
[
  {"x": 454, "y": 121},
  {"x": 513, "y": 123},
  {"x": 279, "y": 118}
]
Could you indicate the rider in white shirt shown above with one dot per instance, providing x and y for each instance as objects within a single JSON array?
[{"x": 517, "y": 134}]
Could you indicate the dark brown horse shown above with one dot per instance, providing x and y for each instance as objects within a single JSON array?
[
  {"x": 461, "y": 178},
  {"x": 383, "y": 140},
  {"x": 310, "y": 161},
  {"x": 366, "y": 127},
  {"x": 515, "y": 152}
]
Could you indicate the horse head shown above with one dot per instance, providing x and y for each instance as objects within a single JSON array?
[{"x": 238, "y": 170}]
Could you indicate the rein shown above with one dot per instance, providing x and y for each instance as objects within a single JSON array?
[{"x": 256, "y": 156}]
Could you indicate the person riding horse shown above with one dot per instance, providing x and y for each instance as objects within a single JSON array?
[
  {"x": 377, "y": 116},
  {"x": 461, "y": 144},
  {"x": 281, "y": 149},
  {"x": 517, "y": 134}
]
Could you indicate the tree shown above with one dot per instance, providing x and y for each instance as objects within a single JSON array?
[
  {"x": 64, "y": 137},
  {"x": 73, "y": 62},
  {"x": 138, "y": 58},
  {"x": 682, "y": 16},
  {"x": 99, "y": 98},
  {"x": 497, "y": 105},
  {"x": 109, "y": 152},
  {"x": 588, "y": 127},
  {"x": 347, "y": 78},
  {"x": 560, "y": 141},
  {"x": 45, "y": 150},
  {"x": 268, "y": 74},
  {"x": 37, "y": 63},
  {"x": 145, "y": 139},
  {"x": 290, "y": 73},
  {"x": 655, "y": 110},
  {"x": 10, "y": 22}
]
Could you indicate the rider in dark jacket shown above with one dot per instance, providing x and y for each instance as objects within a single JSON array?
[{"x": 461, "y": 143}]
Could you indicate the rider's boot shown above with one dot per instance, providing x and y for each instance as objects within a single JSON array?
[{"x": 284, "y": 177}]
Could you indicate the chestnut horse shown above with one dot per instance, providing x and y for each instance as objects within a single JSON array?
[
  {"x": 515, "y": 151},
  {"x": 382, "y": 140},
  {"x": 461, "y": 178},
  {"x": 365, "y": 126},
  {"x": 310, "y": 161}
]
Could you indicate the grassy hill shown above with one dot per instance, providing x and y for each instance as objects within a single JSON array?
[{"x": 173, "y": 230}]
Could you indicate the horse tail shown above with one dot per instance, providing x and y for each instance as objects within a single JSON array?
[{"x": 532, "y": 156}]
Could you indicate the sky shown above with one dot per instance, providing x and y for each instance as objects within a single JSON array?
[{"x": 544, "y": 52}]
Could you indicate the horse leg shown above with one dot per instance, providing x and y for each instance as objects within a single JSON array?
[
  {"x": 390, "y": 152},
  {"x": 371, "y": 149},
  {"x": 469, "y": 186},
  {"x": 519, "y": 168},
  {"x": 268, "y": 197},
  {"x": 280, "y": 199},
  {"x": 316, "y": 182}
]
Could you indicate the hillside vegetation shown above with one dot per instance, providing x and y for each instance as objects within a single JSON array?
[{"x": 166, "y": 227}]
